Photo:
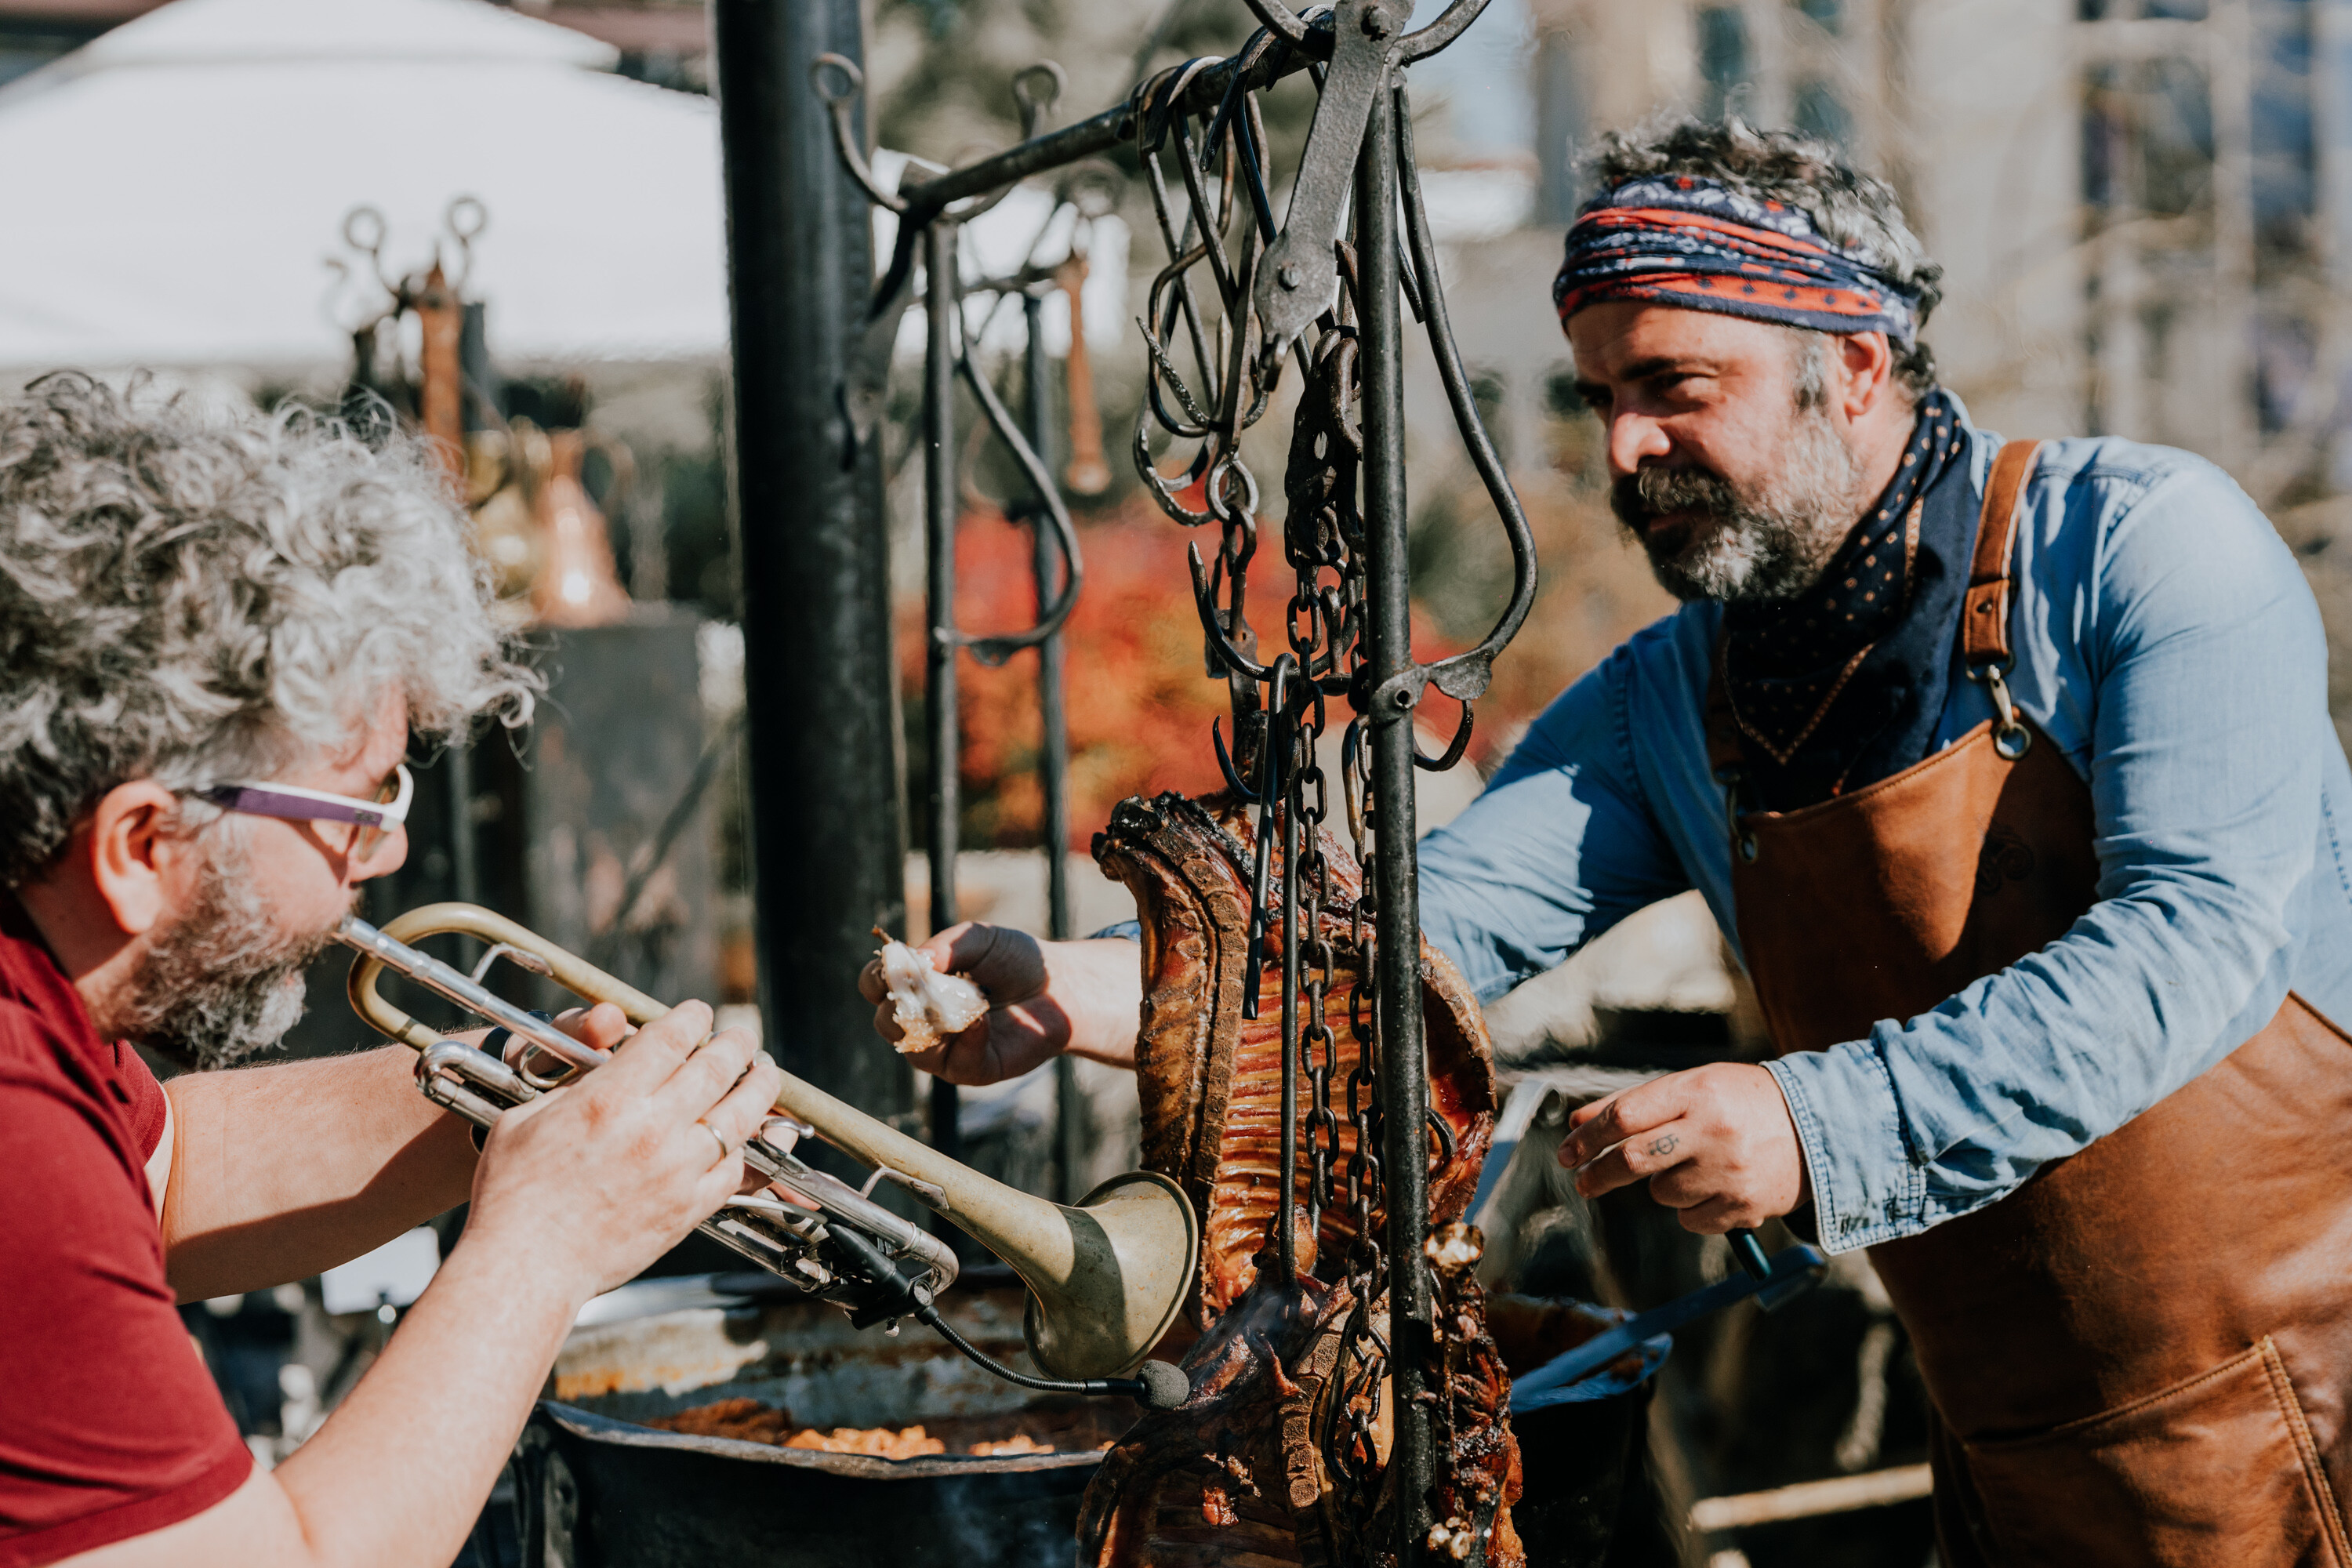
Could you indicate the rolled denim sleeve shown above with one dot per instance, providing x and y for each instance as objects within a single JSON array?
[
  {"x": 2187, "y": 651},
  {"x": 1559, "y": 848}
]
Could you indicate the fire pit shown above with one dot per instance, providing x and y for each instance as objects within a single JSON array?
[{"x": 598, "y": 1489}]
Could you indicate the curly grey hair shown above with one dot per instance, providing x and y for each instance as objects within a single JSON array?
[
  {"x": 1857, "y": 210},
  {"x": 195, "y": 598}
]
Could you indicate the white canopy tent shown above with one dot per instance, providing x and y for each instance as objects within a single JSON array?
[{"x": 173, "y": 194}]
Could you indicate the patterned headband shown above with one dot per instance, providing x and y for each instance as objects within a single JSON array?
[{"x": 1694, "y": 244}]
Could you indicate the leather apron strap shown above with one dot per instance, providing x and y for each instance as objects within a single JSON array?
[{"x": 1984, "y": 614}]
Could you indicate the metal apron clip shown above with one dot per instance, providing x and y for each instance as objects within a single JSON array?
[{"x": 2010, "y": 737}]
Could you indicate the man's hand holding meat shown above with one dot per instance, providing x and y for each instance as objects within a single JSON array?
[
  {"x": 1043, "y": 998},
  {"x": 2007, "y": 769},
  {"x": 219, "y": 636}
]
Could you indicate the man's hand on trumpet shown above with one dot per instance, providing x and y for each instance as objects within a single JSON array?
[{"x": 594, "y": 1182}]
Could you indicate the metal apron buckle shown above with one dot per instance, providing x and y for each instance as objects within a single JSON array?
[
  {"x": 2010, "y": 737},
  {"x": 1743, "y": 839}
]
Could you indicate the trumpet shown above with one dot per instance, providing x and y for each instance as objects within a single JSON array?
[{"x": 1106, "y": 1278}]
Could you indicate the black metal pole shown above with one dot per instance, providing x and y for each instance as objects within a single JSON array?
[
  {"x": 1053, "y": 755},
  {"x": 1403, "y": 1067},
  {"x": 1088, "y": 138},
  {"x": 827, "y": 769},
  {"x": 939, "y": 304},
  {"x": 1054, "y": 752},
  {"x": 478, "y": 391}
]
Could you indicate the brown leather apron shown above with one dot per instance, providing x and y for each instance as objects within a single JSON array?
[{"x": 2143, "y": 1355}]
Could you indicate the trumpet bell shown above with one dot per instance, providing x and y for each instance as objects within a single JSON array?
[
  {"x": 1135, "y": 1241},
  {"x": 1106, "y": 1279}
]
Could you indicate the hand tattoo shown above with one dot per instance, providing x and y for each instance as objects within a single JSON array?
[{"x": 1664, "y": 1146}]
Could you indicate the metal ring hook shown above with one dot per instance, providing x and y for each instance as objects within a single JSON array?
[
  {"x": 465, "y": 218},
  {"x": 845, "y": 144},
  {"x": 2010, "y": 737},
  {"x": 850, "y": 73},
  {"x": 1033, "y": 104},
  {"x": 1216, "y": 490}
]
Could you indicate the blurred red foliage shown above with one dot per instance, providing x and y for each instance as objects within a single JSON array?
[
  {"x": 1139, "y": 704},
  {"x": 1139, "y": 701}
]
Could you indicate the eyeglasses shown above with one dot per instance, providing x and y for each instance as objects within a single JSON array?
[{"x": 376, "y": 819}]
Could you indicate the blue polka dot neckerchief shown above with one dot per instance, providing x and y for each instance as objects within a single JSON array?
[{"x": 1799, "y": 673}]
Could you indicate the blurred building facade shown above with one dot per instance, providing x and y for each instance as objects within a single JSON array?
[{"x": 2142, "y": 205}]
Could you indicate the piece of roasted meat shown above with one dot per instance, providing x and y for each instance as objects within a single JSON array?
[
  {"x": 1244, "y": 1472},
  {"x": 1234, "y": 1477},
  {"x": 1209, "y": 1081}
]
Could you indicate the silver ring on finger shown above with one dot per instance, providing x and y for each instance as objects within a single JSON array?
[{"x": 726, "y": 1149}]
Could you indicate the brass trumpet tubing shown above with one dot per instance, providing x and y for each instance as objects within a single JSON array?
[
  {"x": 1106, "y": 1279},
  {"x": 380, "y": 948}
]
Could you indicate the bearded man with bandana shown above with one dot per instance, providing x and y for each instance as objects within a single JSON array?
[
  {"x": 2007, "y": 767},
  {"x": 217, "y": 637}
]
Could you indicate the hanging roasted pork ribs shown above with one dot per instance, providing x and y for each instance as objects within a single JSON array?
[
  {"x": 1209, "y": 1081},
  {"x": 1276, "y": 1457}
]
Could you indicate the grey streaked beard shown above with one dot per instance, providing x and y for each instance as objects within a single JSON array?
[
  {"x": 1767, "y": 541},
  {"x": 223, "y": 983}
]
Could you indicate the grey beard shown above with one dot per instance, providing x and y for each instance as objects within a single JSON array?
[
  {"x": 1769, "y": 541},
  {"x": 223, "y": 983}
]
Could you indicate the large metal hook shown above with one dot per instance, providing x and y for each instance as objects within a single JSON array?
[
  {"x": 1213, "y": 622},
  {"x": 1464, "y": 675},
  {"x": 994, "y": 650}
]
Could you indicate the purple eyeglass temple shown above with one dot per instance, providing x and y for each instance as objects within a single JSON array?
[{"x": 256, "y": 801}]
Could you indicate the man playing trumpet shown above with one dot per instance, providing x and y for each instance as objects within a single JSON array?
[{"x": 215, "y": 639}]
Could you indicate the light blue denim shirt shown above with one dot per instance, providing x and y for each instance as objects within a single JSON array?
[{"x": 2168, "y": 645}]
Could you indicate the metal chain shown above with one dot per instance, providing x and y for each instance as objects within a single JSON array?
[{"x": 1217, "y": 221}]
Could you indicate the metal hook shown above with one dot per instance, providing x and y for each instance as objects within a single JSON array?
[
  {"x": 1448, "y": 27},
  {"x": 465, "y": 218},
  {"x": 995, "y": 650},
  {"x": 1242, "y": 791},
  {"x": 1036, "y": 105},
  {"x": 368, "y": 221},
  {"x": 844, "y": 142},
  {"x": 1453, "y": 750},
  {"x": 1464, "y": 675},
  {"x": 1212, "y": 624}
]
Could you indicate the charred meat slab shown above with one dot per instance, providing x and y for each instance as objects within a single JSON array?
[
  {"x": 1278, "y": 1458},
  {"x": 1211, "y": 1080},
  {"x": 1234, "y": 1477}
]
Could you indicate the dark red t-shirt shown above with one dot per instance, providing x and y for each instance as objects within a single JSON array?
[{"x": 110, "y": 1425}]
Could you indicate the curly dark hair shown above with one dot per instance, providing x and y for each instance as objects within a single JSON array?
[{"x": 1856, "y": 210}]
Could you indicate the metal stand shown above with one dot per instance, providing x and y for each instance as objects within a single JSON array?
[{"x": 1299, "y": 292}]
